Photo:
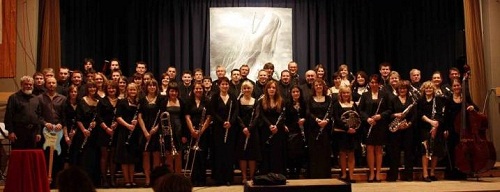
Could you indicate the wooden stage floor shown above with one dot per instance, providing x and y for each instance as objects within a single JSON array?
[{"x": 485, "y": 184}]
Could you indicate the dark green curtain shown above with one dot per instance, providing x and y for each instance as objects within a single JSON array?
[{"x": 423, "y": 34}]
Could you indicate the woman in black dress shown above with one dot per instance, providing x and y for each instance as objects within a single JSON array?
[
  {"x": 360, "y": 86},
  {"x": 71, "y": 126},
  {"x": 452, "y": 134},
  {"x": 106, "y": 115},
  {"x": 85, "y": 142},
  {"x": 224, "y": 110},
  {"x": 295, "y": 121},
  {"x": 273, "y": 134},
  {"x": 401, "y": 136},
  {"x": 148, "y": 120},
  {"x": 248, "y": 140},
  {"x": 127, "y": 146},
  {"x": 175, "y": 107},
  {"x": 197, "y": 121},
  {"x": 319, "y": 121},
  {"x": 375, "y": 113},
  {"x": 431, "y": 115},
  {"x": 345, "y": 131}
]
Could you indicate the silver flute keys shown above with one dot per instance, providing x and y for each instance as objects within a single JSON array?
[
  {"x": 280, "y": 118},
  {"x": 228, "y": 118},
  {"x": 152, "y": 127}
]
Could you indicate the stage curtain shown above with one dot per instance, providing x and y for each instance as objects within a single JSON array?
[
  {"x": 424, "y": 34},
  {"x": 8, "y": 43},
  {"x": 475, "y": 53},
  {"x": 49, "y": 51}
]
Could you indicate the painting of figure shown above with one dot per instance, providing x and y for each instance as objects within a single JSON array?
[{"x": 252, "y": 36}]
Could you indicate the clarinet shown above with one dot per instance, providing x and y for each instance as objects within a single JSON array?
[
  {"x": 73, "y": 121},
  {"x": 152, "y": 127},
  {"x": 376, "y": 112},
  {"x": 90, "y": 128},
  {"x": 228, "y": 118},
  {"x": 113, "y": 121},
  {"x": 132, "y": 131},
  {"x": 431, "y": 139},
  {"x": 282, "y": 115},
  {"x": 301, "y": 128},
  {"x": 324, "y": 118}
]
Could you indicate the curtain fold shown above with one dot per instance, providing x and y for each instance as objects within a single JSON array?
[
  {"x": 361, "y": 33},
  {"x": 475, "y": 52},
  {"x": 49, "y": 55}
]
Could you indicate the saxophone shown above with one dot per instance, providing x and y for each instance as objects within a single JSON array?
[{"x": 397, "y": 122}]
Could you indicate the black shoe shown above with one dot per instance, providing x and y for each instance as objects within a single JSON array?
[
  {"x": 134, "y": 185},
  {"x": 377, "y": 180},
  {"x": 426, "y": 179},
  {"x": 391, "y": 179},
  {"x": 433, "y": 178},
  {"x": 228, "y": 183}
]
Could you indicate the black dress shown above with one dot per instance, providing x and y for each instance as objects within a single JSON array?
[
  {"x": 252, "y": 151},
  {"x": 368, "y": 108},
  {"x": 105, "y": 113},
  {"x": 433, "y": 109},
  {"x": 344, "y": 140},
  {"x": 176, "y": 118},
  {"x": 198, "y": 174},
  {"x": 150, "y": 113},
  {"x": 131, "y": 153},
  {"x": 296, "y": 146},
  {"x": 88, "y": 156},
  {"x": 223, "y": 152},
  {"x": 273, "y": 149},
  {"x": 70, "y": 125},
  {"x": 320, "y": 148}
]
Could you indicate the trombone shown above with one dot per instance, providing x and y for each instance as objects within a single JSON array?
[{"x": 196, "y": 146}]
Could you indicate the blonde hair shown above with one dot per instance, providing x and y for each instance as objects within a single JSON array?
[
  {"x": 343, "y": 89},
  {"x": 427, "y": 84}
]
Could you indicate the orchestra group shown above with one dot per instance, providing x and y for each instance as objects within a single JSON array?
[{"x": 297, "y": 126}]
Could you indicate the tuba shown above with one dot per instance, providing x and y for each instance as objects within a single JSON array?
[
  {"x": 351, "y": 119},
  {"x": 397, "y": 122}
]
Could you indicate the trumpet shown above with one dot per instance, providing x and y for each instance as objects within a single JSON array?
[
  {"x": 196, "y": 146},
  {"x": 152, "y": 127},
  {"x": 397, "y": 122},
  {"x": 90, "y": 129},
  {"x": 228, "y": 118},
  {"x": 280, "y": 118},
  {"x": 132, "y": 131},
  {"x": 168, "y": 130}
]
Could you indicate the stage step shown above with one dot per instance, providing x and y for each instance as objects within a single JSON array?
[{"x": 360, "y": 175}]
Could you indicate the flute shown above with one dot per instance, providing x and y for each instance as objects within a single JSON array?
[
  {"x": 132, "y": 131},
  {"x": 282, "y": 115},
  {"x": 228, "y": 118},
  {"x": 152, "y": 127},
  {"x": 376, "y": 112}
]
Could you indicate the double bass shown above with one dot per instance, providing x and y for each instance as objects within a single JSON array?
[{"x": 474, "y": 154}]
